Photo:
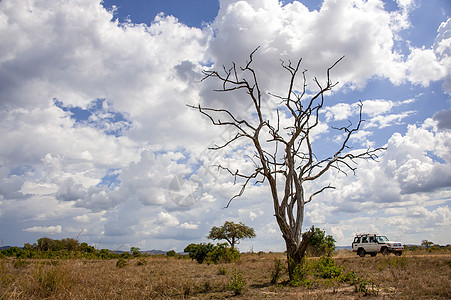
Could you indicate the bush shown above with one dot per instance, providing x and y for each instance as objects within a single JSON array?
[
  {"x": 199, "y": 252},
  {"x": 105, "y": 254},
  {"x": 121, "y": 262},
  {"x": 320, "y": 244},
  {"x": 237, "y": 284},
  {"x": 300, "y": 272},
  {"x": 350, "y": 277},
  {"x": 326, "y": 268},
  {"x": 85, "y": 248},
  {"x": 362, "y": 285},
  {"x": 222, "y": 271},
  {"x": 171, "y": 253},
  {"x": 13, "y": 251},
  {"x": 47, "y": 248},
  {"x": 70, "y": 244},
  {"x": 48, "y": 244},
  {"x": 219, "y": 253},
  {"x": 304, "y": 274},
  {"x": 276, "y": 273},
  {"x": 433, "y": 248}
]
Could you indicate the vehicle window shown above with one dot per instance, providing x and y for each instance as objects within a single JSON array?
[
  {"x": 382, "y": 238},
  {"x": 364, "y": 239},
  {"x": 357, "y": 239},
  {"x": 372, "y": 239}
]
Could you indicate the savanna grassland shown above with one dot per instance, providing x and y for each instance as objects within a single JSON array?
[{"x": 415, "y": 275}]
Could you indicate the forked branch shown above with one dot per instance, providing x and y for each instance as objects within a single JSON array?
[{"x": 286, "y": 159}]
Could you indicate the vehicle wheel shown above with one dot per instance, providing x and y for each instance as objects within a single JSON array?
[
  {"x": 361, "y": 252},
  {"x": 398, "y": 253},
  {"x": 384, "y": 251},
  {"x": 373, "y": 254}
]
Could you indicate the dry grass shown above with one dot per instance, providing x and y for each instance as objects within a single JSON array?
[{"x": 421, "y": 277}]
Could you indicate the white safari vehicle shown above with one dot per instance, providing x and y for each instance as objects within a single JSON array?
[{"x": 371, "y": 243}]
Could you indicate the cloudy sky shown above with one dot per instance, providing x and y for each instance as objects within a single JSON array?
[{"x": 96, "y": 138}]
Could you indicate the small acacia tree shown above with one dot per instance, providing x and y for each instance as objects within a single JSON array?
[
  {"x": 426, "y": 243},
  {"x": 284, "y": 154},
  {"x": 232, "y": 233},
  {"x": 135, "y": 251}
]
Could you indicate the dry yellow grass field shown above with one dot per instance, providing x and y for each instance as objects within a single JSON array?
[{"x": 422, "y": 276}]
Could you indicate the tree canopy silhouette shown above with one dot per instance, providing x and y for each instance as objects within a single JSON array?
[{"x": 231, "y": 232}]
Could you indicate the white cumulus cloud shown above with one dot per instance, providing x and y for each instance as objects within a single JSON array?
[{"x": 45, "y": 229}]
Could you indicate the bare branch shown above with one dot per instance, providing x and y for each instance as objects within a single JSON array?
[
  {"x": 318, "y": 192},
  {"x": 295, "y": 163},
  {"x": 235, "y": 122}
]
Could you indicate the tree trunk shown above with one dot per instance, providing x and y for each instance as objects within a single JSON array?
[{"x": 296, "y": 255}]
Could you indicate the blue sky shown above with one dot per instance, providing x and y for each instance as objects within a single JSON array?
[{"x": 96, "y": 134}]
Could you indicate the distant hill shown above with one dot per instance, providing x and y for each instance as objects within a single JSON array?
[
  {"x": 343, "y": 247},
  {"x": 154, "y": 252},
  {"x": 6, "y": 247},
  {"x": 150, "y": 252}
]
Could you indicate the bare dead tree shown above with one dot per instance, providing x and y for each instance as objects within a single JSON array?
[{"x": 291, "y": 163}]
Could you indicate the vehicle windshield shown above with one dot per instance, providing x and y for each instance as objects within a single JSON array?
[{"x": 382, "y": 238}]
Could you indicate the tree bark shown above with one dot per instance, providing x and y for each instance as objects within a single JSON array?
[{"x": 296, "y": 256}]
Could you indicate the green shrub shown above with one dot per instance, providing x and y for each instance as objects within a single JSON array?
[
  {"x": 199, "y": 252},
  {"x": 85, "y": 248},
  {"x": 350, "y": 277},
  {"x": 326, "y": 268},
  {"x": 277, "y": 272},
  {"x": 320, "y": 244},
  {"x": 236, "y": 283},
  {"x": 105, "y": 254},
  {"x": 13, "y": 251},
  {"x": 221, "y": 253},
  {"x": 222, "y": 271},
  {"x": 121, "y": 262},
  {"x": 171, "y": 253},
  {"x": 433, "y": 248},
  {"x": 396, "y": 262},
  {"x": 366, "y": 286},
  {"x": 300, "y": 271},
  {"x": 210, "y": 253}
]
